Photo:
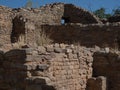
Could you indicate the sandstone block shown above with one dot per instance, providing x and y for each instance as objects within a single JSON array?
[
  {"x": 49, "y": 49},
  {"x": 58, "y": 50},
  {"x": 42, "y": 67},
  {"x": 68, "y": 50},
  {"x": 56, "y": 45}
]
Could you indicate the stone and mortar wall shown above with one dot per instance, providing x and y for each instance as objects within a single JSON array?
[
  {"x": 10, "y": 18},
  {"x": 60, "y": 67},
  {"x": 29, "y": 21},
  {"x": 2, "y": 84},
  {"x": 108, "y": 65},
  {"x": 52, "y": 67},
  {"x": 51, "y": 14},
  {"x": 114, "y": 19},
  {"x": 75, "y": 14},
  {"x": 5, "y": 26},
  {"x": 102, "y": 35},
  {"x": 97, "y": 83}
]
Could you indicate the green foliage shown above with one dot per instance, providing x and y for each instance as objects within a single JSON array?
[
  {"x": 101, "y": 13},
  {"x": 116, "y": 11}
]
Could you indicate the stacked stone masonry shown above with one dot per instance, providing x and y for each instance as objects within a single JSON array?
[
  {"x": 52, "y": 67},
  {"x": 108, "y": 65},
  {"x": 97, "y": 83},
  {"x": 25, "y": 23},
  {"x": 102, "y": 35},
  {"x": 58, "y": 47}
]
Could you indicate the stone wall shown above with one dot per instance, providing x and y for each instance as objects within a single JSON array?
[
  {"x": 2, "y": 84},
  {"x": 57, "y": 66},
  {"x": 30, "y": 19},
  {"x": 48, "y": 14},
  {"x": 73, "y": 14},
  {"x": 52, "y": 67},
  {"x": 10, "y": 26},
  {"x": 97, "y": 83},
  {"x": 102, "y": 35},
  {"x": 107, "y": 64},
  {"x": 114, "y": 19},
  {"x": 5, "y": 26}
]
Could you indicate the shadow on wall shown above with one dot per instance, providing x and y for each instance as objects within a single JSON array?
[
  {"x": 18, "y": 30},
  {"x": 73, "y": 14},
  {"x": 107, "y": 65},
  {"x": 46, "y": 87},
  {"x": 38, "y": 84},
  {"x": 13, "y": 68},
  {"x": 40, "y": 87},
  {"x": 16, "y": 72}
]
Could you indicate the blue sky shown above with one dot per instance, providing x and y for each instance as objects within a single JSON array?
[{"x": 109, "y": 5}]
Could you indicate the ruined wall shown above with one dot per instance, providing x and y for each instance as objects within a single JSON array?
[
  {"x": 107, "y": 64},
  {"x": 11, "y": 21},
  {"x": 114, "y": 19},
  {"x": 2, "y": 84},
  {"x": 97, "y": 83},
  {"x": 102, "y": 35},
  {"x": 73, "y": 14},
  {"x": 31, "y": 19},
  {"x": 57, "y": 66},
  {"x": 49, "y": 14},
  {"x": 53, "y": 67},
  {"x": 5, "y": 26}
]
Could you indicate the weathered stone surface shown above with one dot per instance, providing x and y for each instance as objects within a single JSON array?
[
  {"x": 71, "y": 15},
  {"x": 22, "y": 27},
  {"x": 42, "y": 67},
  {"x": 41, "y": 50},
  {"x": 33, "y": 87},
  {"x": 107, "y": 64},
  {"x": 5, "y": 26},
  {"x": 114, "y": 18},
  {"x": 58, "y": 50},
  {"x": 49, "y": 49},
  {"x": 47, "y": 71},
  {"x": 57, "y": 66},
  {"x": 99, "y": 83},
  {"x": 85, "y": 35},
  {"x": 68, "y": 50}
]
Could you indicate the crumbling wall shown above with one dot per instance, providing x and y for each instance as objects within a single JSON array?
[
  {"x": 107, "y": 64},
  {"x": 2, "y": 83},
  {"x": 51, "y": 14},
  {"x": 58, "y": 66},
  {"x": 18, "y": 30},
  {"x": 75, "y": 14},
  {"x": 10, "y": 22},
  {"x": 102, "y": 35},
  {"x": 97, "y": 83},
  {"x": 5, "y": 26},
  {"x": 53, "y": 67},
  {"x": 114, "y": 19}
]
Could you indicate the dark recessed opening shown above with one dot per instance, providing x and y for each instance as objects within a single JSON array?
[
  {"x": 18, "y": 30},
  {"x": 65, "y": 20},
  {"x": 43, "y": 60}
]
